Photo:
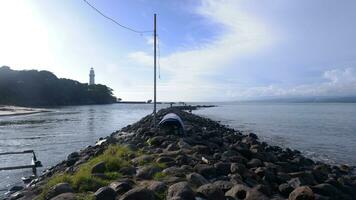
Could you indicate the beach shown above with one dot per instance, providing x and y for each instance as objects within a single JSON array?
[{"x": 16, "y": 110}]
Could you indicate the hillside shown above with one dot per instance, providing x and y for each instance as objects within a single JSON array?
[{"x": 43, "y": 88}]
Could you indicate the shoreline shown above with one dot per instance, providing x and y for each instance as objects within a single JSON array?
[
  {"x": 17, "y": 110},
  {"x": 209, "y": 160}
]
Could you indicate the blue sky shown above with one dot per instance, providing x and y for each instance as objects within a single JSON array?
[{"x": 211, "y": 50}]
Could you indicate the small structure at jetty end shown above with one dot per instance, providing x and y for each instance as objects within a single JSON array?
[{"x": 172, "y": 123}]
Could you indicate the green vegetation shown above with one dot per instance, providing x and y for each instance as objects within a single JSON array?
[
  {"x": 115, "y": 157},
  {"x": 159, "y": 176},
  {"x": 43, "y": 88}
]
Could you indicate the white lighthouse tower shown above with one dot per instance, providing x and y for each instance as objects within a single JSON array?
[{"x": 91, "y": 77}]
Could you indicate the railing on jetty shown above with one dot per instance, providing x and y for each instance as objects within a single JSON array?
[{"x": 34, "y": 163}]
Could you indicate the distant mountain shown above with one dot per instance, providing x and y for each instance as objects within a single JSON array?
[
  {"x": 317, "y": 99},
  {"x": 43, "y": 88}
]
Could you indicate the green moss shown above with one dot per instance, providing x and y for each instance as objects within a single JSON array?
[
  {"x": 161, "y": 195},
  {"x": 159, "y": 176},
  {"x": 115, "y": 157},
  {"x": 85, "y": 196},
  {"x": 60, "y": 178}
]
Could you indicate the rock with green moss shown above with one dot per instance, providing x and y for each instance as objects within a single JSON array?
[{"x": 58, "y": 189}]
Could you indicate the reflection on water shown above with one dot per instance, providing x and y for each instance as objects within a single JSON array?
[{"x": 55, "y": 134}]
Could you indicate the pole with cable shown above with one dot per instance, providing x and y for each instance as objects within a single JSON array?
[{"x": 155, "y": 61}]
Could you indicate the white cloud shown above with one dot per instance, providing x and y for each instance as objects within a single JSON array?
[
  {"x": 187, "y": 68},
  {"x": 337, "y": 82}
]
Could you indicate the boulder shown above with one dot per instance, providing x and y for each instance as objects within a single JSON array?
[
  {"x": 120, "y": 187},
  {"x": 157, "y": 186},
  {"x": 201, "y": 149},
  {"x": 15, "y": 188},
  {"x": 180, "y": 190},
  {"x": 147, "y": 172},
  {"x": 223, "y": 185},
  {"x": 285, "y": 189},
  {"x": 156, "y": 141},
  {"x": 302, "y": 193},
  {"x": 254, "y": 194},
  {"x": 98, "y": 168},
  {"x": 239, "y": 191},
  {"x": 205, "y": 170},
  {"x": 327, "y": 190},
  {"x": 254, "y": 162},
  {"x": 222, "y": 168},
  {"x": 65, "y": 196},
  {"x": 58, "y": 189},
  {"x": 105, "y": 193},
  {"x": 196, "y": 179},
  {"x": 139, "y": 193},
  {"x": 72, "y": 158},
  {"x": 142, "y": 159},
  {"x": 210, "y": 192},
  {"x": 237, "y": 168},
  {"x": 129, "y": 171}
]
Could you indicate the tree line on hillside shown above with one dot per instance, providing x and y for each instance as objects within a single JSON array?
[{"x": 43, "y": 88}]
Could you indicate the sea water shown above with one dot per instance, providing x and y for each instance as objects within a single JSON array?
[{"x": 321, "y": 131}]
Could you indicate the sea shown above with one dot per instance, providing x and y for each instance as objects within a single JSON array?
[{"x": 321, "y": 131}]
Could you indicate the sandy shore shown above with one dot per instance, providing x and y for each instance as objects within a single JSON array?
[{"x": 15, "y": 110}]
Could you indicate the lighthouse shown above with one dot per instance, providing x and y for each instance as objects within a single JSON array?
[{"x": 91, "y": 77}]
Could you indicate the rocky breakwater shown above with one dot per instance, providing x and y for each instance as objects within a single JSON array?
[{"x": 209, "y": 162}]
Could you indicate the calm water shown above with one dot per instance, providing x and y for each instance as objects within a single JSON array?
[
  {"x": 55, "y": 134},
  {"x": 322, "y": 131}
]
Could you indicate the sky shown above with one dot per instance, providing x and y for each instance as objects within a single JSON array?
[{"x": 209, "y": 50}]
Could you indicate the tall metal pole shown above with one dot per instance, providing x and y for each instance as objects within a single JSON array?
[{"x": 155, "y": 60}]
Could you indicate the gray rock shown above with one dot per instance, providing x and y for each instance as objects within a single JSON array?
[
  {"x": 205, "y": 170},
  {"x": 210, "y": 192},
  {"x": 327, "y": 190},
  {"x": 180, "y": 190},
  {"x": 202, "y": 149},
  {"x": 139, "y": 193},
  {"x": 196, "y": 179},
  {"x": 72, "y": 158},
  {"x": 58, "y": 189},
  {"x": 142, "y": 159},
  {"x": 254, "y": 194},
  {"x": 120, "y": 187},
  {"x": 128, "y": 170},
  {"x": 302, "y": 193},
  {"x": 223, "y": 185},
  {"x": 156, "y": 141},
  {"x": 157, "y": 186},
  {"x": 222, "y": 168},
  {"x": 105, "y": 193},
  {"x": 254, "y": 162},
  {"x": 98, "y": 168},
  {"x": 65, "y": 196},
  {"x": 237, "y": 168},
  {"x": 15, "y": 188},
  {"x": 285, "y": 189},
  {"x": 239, "y": 191},
  {"x": 147, "y": 172},
  {"x": 174, "y": 171}
]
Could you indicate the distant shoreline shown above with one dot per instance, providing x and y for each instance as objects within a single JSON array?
[{"x": 16, "y": 110}]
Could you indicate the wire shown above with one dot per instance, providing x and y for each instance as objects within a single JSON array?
[
  {"x": 114, "y": 21},
  {"x": 159, "y": 56}
]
